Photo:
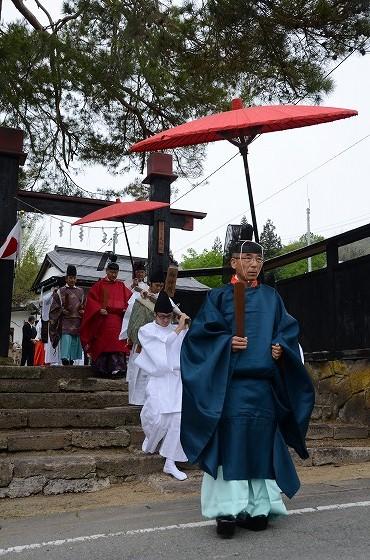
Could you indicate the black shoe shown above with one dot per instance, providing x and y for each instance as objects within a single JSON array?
[
  {"x": 226, "y": 526},
  {"x": 65, "y": 362},
  {"x": 257, "y": 523},
  {"x": 71, "y": 362}
]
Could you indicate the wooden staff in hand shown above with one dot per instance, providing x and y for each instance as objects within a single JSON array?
[{"x": 239, "y": 341}]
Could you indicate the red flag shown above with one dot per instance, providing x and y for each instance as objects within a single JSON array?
[{"x": 10, "y": 249}]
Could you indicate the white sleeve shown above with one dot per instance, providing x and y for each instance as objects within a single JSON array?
[
  {"x": 126, "y": 318},
  {"x": 160, "y": 353},
  {"x": 153, "y": 356},
  {"x": 173, "y": 349}
]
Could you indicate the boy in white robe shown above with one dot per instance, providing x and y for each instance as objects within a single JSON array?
[{"x": 160, "y": 359}]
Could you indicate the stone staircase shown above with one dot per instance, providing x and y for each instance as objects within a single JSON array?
[{"x": 62, "y": 430}]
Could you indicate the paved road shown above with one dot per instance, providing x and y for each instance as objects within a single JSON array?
[{"x": 327, "y": 521}]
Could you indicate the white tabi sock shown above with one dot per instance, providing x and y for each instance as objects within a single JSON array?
[{"x": 170, "y": 468}]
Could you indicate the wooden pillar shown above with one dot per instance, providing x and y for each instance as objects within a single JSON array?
[
  {"x": 11, "y": 156},
  {"x": 331, "y": 265},
  {"x": 160, "y": 176}
]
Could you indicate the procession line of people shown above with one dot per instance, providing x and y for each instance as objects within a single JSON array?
[{"x": 231, "y": 403}]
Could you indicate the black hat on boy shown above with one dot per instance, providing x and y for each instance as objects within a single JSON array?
[{"x": 163, "y": 303}]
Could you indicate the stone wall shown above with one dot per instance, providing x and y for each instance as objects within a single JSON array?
[{"x": 342, "y": 390}]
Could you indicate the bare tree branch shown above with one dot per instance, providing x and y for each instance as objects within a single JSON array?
[
  {"x": 39, "y": 5},
  {"x": 28, "y": 15}
]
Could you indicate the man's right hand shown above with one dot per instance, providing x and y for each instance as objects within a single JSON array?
[
  {"x": 103, "y": 312},
  {"x": 239, "y": 343}
]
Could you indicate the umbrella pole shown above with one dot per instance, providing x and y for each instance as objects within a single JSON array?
[
  {"x": 128, "y": 245},
  {"x": 244, "y": 153}
]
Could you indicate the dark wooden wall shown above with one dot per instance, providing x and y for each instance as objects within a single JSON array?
[{"x": 332, "y": 306}]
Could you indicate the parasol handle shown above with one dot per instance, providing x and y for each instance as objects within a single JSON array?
[{"x": 128, "y": 245}]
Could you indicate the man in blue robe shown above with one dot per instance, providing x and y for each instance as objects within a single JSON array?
[{"x": 245, "y": 399}]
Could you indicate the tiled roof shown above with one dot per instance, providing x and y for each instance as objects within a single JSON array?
[{"x": 87, "y": 262}]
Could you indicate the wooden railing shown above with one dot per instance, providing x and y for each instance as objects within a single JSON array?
[{"x": 332, "y": 304}]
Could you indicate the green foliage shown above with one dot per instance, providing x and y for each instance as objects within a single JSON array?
[
  {"x": 34, "y": 245},
  {"x": 205, "y": 259},
  {"x": 300, "y": 267},
  {"x": 110, "y": 73},
  {"x": 269, "y": 240}
]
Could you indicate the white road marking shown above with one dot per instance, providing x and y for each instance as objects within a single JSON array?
[{"x": 86, "y": 538}]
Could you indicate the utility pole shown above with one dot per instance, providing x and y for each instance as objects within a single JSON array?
[
  {"x": 115, "y": 239},
  {"x": 308, "y": 236}
]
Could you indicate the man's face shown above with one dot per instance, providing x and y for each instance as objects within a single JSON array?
[
  {"x": 140, "y": 275},
  {"x": 156, "y": 287},
  {"x": 247, "y": 266},
  {"x": 71, "y": 281},
  {"x": 111, "y": 274},
  {"x": 163, "y": 319}
]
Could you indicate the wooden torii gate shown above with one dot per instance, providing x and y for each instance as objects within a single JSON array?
[{"x": 159, "y": 176}]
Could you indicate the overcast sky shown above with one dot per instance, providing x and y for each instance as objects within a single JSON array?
[{"x": 339, "y": 191}]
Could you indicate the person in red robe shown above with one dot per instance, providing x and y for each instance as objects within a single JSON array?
[{"x": 101, "y": 324}]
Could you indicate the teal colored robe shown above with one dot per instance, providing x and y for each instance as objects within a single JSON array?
[{"x": 241, "y": 409}]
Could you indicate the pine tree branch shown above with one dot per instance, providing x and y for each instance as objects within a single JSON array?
[{"x": 28, "y": 15}]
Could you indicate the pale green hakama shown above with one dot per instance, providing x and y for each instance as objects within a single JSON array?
[
  {"x": 230, "y": 497},
  {"x": 70, "y": 347}
]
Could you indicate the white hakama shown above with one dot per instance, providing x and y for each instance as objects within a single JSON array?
[
  {"x": 161, "y": 413},
  {"x": 136, "y": 379}
]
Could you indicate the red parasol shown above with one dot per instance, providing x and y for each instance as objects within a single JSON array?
[
  {"x": 120, "y": 209},
  {"x": 240, "y": 126}
]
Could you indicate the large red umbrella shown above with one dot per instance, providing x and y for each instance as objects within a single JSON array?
[
  {"x": 120, "y": 209},
  {"x": 240, "y": 126}
]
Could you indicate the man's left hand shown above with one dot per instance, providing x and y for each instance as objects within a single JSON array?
[{"x": 276, "y": 351}]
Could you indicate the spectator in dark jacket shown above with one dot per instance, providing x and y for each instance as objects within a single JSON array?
[{"x": 28, "y": 341}]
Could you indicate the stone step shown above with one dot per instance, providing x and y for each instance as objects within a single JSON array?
[
  {"x": 15, "y": 441},
  {"x": 39, "y": 473},
  {"x": 97, "y": 399},
  {"x": 25, "y": 372},
  {"x": 335, "y": 454},
  {"x": 336, "y": 431},
  {"x": 111, "y": 417},
  {"x": 61, "y": 384},
  {"x": 60, "y": 472}
]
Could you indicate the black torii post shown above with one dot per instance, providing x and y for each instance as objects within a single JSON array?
[
  {"x": 160, "y": 176},
  {"x": 11, "y": 157}
]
